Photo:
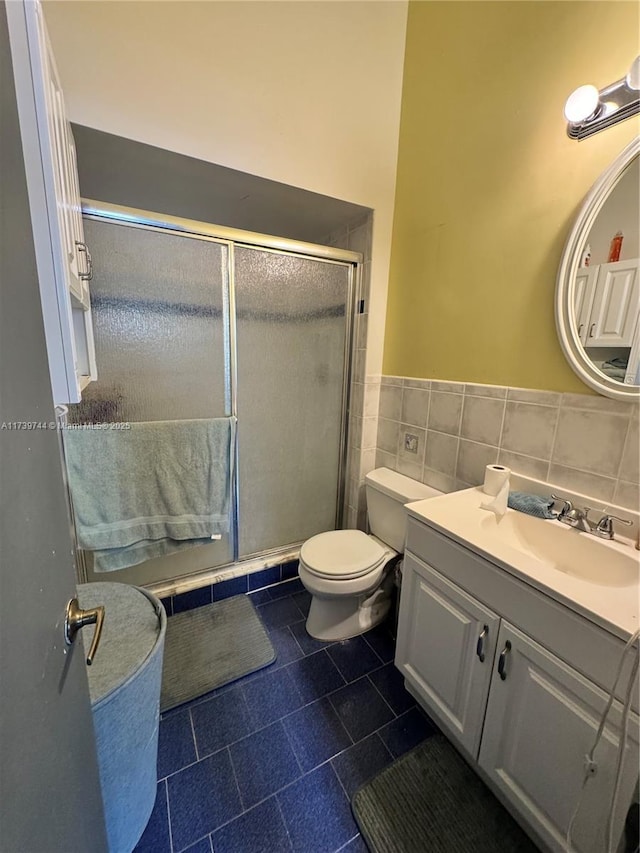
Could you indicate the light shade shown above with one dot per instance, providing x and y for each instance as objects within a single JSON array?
[
  {"x": 589, "y": 110},
  {"x": 582, "y": 104},
  {"x": 633, "y": 74}
]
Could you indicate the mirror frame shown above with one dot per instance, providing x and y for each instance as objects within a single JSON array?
[{"x": 571, "y": 256}]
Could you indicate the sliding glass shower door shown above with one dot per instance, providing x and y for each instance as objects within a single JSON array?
[
  {"x": 189, "y": 324},
  {"x": 291, "y": 315},
  {"x": 160, "y": 305},
  {"x": 160, "y": 313}
]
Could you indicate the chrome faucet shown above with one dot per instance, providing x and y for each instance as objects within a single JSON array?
[
  {"x": 579, "y": 519},
  {"x": 574, "y": 517}
]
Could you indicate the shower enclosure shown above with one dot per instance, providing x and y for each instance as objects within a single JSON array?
[{"x": 199, "y": 321}]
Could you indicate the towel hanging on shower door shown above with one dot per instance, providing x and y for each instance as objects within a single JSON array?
[{"x": 149, "y": 489}]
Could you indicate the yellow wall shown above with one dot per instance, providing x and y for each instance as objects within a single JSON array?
[{"x": 488, "y": 182}]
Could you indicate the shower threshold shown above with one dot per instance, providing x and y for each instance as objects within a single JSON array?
[{"x": 176, "y": 586}]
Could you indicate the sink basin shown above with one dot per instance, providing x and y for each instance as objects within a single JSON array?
[
  {"x": 580, "y": 555},
  {"x": 596, "y": 578}
]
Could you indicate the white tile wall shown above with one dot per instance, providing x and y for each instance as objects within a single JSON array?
[{"x": 585, "y": 443}]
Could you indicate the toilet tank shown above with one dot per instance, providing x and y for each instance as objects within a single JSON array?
[{"x": 387, "y": 492}]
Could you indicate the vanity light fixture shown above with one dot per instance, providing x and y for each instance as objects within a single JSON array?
[{"x": 589, "y": 110}]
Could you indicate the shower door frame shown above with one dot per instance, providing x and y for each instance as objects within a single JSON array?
[{"x": 232, "y": 238}]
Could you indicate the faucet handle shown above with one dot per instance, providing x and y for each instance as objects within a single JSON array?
[
  {"x": 604, "y": 527},
  {"x": 568, "y": 506}
]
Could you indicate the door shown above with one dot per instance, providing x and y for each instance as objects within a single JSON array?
[
  {"x": 446, "y": 643},
  {"x": 615, "y": 307},
  {"x": 293, "y": 317},
  {"x": 541, "y": 722},
  {"x": 160, "y": 312},
  {"x": 49, "y": 787}
]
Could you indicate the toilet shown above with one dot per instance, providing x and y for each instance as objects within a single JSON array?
[{"x": 348, "y": 572}]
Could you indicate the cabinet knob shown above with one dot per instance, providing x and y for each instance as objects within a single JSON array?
[
  {"x": 591, "y": 328},
  {"x": 502, "y": 660}
]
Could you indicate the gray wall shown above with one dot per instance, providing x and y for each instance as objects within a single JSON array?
[{"x": 122, "y": 171}]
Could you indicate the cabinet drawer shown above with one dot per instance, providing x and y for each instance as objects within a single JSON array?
[{"x": 582, "y": 644}]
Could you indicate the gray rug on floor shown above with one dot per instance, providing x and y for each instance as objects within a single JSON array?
[
  {"x": 431, "y": 800},
  {"x": 210, "y": 646}
]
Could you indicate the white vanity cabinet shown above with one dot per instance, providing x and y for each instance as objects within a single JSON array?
[
  {"x": 607, "y": 302},
  {"x": 439, "y": 615},
  {"x": 63, "y": 260},
  {"x": 516, "y": 680},
  {"x": 542, "y": 719}
]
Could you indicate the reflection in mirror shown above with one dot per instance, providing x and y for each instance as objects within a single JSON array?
[
  {"x": 606, "y": 290},
  {"x": 598, "y": 286}
]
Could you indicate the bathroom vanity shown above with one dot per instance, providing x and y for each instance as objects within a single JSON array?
[{"x": 510, "y": 633}]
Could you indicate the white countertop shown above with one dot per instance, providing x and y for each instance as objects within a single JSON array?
[{"x": 615, "y": 608}]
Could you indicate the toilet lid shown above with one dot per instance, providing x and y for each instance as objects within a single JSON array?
[{"x": 341, "y": 554}]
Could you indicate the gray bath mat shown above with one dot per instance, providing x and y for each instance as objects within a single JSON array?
[
  {"x": 431, "y": 800},
  {"x": 211, "y": 646}
]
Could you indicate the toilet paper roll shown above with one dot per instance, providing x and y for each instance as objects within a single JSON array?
[{"x": 495, "y": 476}]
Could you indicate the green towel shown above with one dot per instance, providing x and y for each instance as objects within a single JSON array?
[
  {"x": 149, "y": 489},
  {"x": 532, "y": 504},
  {"x": 614, "y": 372}
]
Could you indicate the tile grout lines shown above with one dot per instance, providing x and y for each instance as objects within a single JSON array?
[
  {"x": 344, "y": 846},
  {"x": 166, "y": 794},
  {"x": 341, "y": 667},
  {"x": 235, "y": 779},
  {"x": 193, "y": 735},
  {"x": 282, "y": 818},
  {"x": 289, "y": 714},
  {"x": 304, "y": 774}
]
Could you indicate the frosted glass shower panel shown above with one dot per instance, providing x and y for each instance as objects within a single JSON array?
[
  {"x": 159, "y": 302},
  {"x": 291, "y": 331}
]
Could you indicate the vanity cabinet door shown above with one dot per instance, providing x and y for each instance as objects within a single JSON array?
[
  {"x": 583, "y": 293},
  {"x": 445, "y": 649},
  {"x": 541, "y": 722},
  {"x": 615, "y": 308}
]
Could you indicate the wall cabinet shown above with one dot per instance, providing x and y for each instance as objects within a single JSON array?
[
  {"x": 63, "y": 260},
  {"x": 607, "y": 303},
  {"x": 521, "y": 713}
]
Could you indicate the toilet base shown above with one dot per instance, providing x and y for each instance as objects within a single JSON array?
[{"x": 336, "y": 618}]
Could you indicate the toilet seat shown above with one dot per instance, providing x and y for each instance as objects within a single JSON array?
[{"x": 341, "y": 554}]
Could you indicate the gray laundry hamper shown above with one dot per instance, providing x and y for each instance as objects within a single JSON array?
[{"x": 124, "y": 686}]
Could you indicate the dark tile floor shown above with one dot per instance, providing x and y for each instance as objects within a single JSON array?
[{"x": 269, "y": 764}]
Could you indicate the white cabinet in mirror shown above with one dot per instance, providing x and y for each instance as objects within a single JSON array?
[{"x": 598, "y": 287}]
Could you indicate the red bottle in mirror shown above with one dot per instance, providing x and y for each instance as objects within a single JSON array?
[{"x": 616, "y": 247}]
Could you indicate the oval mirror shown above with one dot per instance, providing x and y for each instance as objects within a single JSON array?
[{"x": 598, "y": 287}]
